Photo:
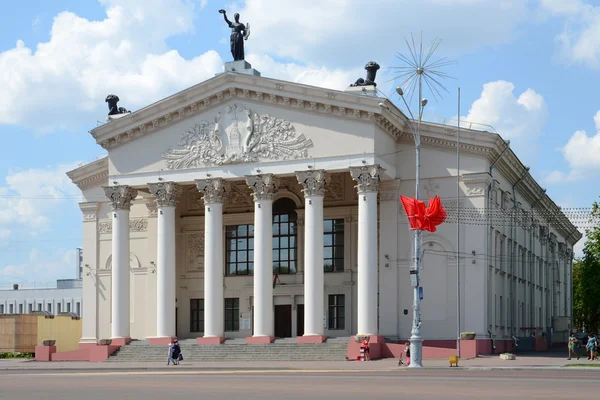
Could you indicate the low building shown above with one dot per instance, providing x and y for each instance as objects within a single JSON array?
[
  {"x": 64, "y": 297},
  {"x": 248, "y": 207}
]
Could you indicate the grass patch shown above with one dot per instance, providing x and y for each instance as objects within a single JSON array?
[{"x": 583, "y": 365}]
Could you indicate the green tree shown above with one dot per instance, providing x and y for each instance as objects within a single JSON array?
[{"x": 586, "y": 279}]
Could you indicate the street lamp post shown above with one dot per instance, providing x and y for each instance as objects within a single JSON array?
[{"x": 416, "y": 342}]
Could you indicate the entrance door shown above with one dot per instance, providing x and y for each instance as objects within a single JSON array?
[
  {"x": 283, "y": 321},
  {"x": 300, "y": 319}
]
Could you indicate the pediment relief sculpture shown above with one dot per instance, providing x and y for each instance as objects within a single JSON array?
[{"x": 237, "y": 135}]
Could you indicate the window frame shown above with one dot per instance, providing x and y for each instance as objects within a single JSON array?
[
  {"x": 336, "y": 312},
  {"x": 232, "y": 314},
  {"x": 234, "y": 254},
  {"x": 336, "y": 246},
  {"x": 196, "y": 315}
]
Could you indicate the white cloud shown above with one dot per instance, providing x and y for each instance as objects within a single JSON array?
[
  {"x": 518, "y": 119},
  {"x": 40, "y": 267},
  {"x": 579, "y": 42},
  {"x": 307, "y": 74},
  {"x": 32, "y": 196},
  {"x": 67, "y": 78},
  {"x": 348, "y": 32},
  {"x": 582, "y": 154}
]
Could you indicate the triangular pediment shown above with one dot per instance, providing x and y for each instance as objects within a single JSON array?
[
  {"x": 236, "y": 119},
  {"x": 218, "y": 90}
]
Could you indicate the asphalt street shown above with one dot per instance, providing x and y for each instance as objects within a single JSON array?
[{"x": 298, "y": 384}]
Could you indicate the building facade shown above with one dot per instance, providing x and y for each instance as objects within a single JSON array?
[
  {"x": 65, "y": 297},
  {"x": 247, "y": 207}
]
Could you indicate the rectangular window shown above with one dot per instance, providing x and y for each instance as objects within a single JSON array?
[
  {"x": 49, "y": 308},
  {"x": 501, "y": 312},
  {"x": 284, "y": 243},
  {"x": 30, "y": 308},
  {"x": 333, "y": 245},
  {"x": 239, "y": 250},
  {"x": 337, "y": 312},
  {"x": 59, "y": 308},
  {"x": 1, "y": 308},
  {"x": 20, "y": 308},
  {"x": 68, "y": 307},
  {"x": 196, "y": 315},
  {"x": 11, "y": 309},
  {"x": 232, "y": 312},
  {"x": 78, "y": 305},
  {"x": 40, "y": 307}
]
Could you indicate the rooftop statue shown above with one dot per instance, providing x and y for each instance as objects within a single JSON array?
[
  {"x": 239, "y": 33},
  {"x": 372, "y": 67},
  {"x": 112, "y": 101}
]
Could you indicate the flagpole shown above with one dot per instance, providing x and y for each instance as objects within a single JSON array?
[{"x": 458, "y": 231}]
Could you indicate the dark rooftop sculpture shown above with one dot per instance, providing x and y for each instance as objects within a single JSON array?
[
  {"x": 372, "y": 67},
  {"x": 112, "y": 101},
  {"x": 239, "y": 33}
]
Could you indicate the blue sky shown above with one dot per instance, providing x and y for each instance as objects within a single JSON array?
[{"x": 529, "y": 68}]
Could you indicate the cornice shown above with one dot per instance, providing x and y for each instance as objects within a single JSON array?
[
  {"x": 216, "y": 91},
  {"x": 89, "y": 175}
]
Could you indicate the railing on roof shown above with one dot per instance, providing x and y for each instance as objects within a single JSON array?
[
  {"x": 29, "y": 285},
  {"x": 453, "y": 121}
]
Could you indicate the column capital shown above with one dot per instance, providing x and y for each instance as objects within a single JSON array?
[
  {"x": 166, "y": 193},
  {"x": 263, "y": 187},
  {"x": 367, "y": 177},
  {"x": 120, "y": 196},
  {"x": 313, "y": 181},
  {"x": 214, "y": 189}
]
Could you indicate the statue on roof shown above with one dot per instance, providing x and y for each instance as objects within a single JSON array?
[
  {"x": 372, "y": 67},
  {"x": 112, "y": 101},
  {"x": 239, "y": 33}
]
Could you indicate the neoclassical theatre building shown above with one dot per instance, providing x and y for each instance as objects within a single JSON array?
[{"x": 248, "y": 207}]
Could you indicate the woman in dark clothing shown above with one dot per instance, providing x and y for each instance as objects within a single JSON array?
[{"x": 176, "y": 353}]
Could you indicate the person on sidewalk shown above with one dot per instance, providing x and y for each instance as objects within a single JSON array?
[
  {"x": 573, "y": 346},
  {"x": 170, "y": 359},
  {"x": 592, "y": 345},
  {"x": 407, "y": 354},
  {"x": 176, "y": 353}
]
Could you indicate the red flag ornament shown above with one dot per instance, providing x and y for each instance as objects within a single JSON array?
[{"x": 421, "y": 217}]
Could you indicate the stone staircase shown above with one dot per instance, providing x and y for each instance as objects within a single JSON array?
[{"x": 334, "y": 349}]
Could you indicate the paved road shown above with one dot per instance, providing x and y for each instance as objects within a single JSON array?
[{"x": 292, "y": 385}]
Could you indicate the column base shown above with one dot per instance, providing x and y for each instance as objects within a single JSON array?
[
  {"x": 44, "y": 353},
  {"x": 120, "y": 341},
  {"x": 210, "y": 340},
  {"x": 260, "y": 339},
  {"x": 311, "y": 339},
  {"x": 162, "y": 340}
]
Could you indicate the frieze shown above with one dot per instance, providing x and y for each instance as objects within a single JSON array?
[
  {"x": 336, "y": 188},
  {"x": 195, "y": 251},
  {"x": 135, "y": 225},
  {"x": 236, "y": 136},
  {"x": 240, "y": 195}
]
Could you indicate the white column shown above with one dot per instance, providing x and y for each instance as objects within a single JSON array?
[
  {"x": 264, "y": 187},
  {"x": 314, "y": 182},
  {"x": 214, "y": 191},
  {"x": 121, "y": 197},
  {"x": 367, "y": 178},
  {"x": 166, "y": 194}
]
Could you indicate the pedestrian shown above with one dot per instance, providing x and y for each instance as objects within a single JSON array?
[
  {"x": 176, "y": 353},
  {"x": 365, "y": 344},
  {"x": 170, "y": 359},
  {"x": 592, "y": 345},
  {"x": 573, "y": 346},
  {"x": 407, "y": 353}
]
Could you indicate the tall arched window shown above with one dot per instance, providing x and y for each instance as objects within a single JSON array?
[{"x": 285, "y": 245}]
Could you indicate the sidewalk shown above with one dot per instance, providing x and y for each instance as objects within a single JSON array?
[{"x": 551, "y": 360}]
